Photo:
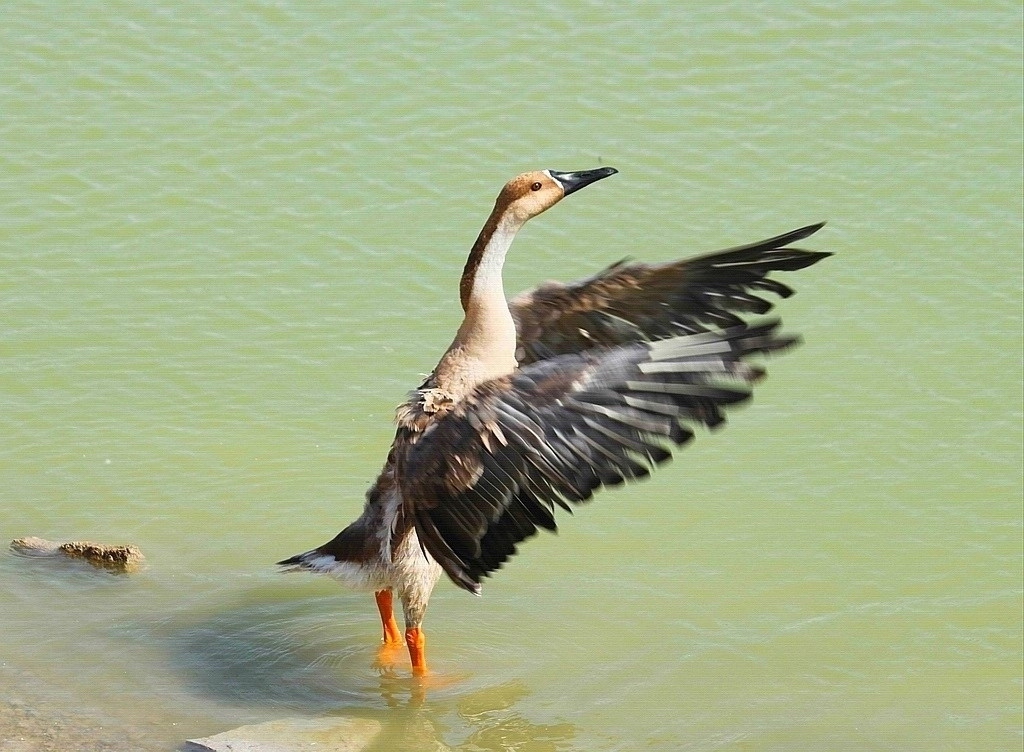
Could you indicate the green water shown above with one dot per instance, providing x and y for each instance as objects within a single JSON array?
[{"x": 230, "y": 239}]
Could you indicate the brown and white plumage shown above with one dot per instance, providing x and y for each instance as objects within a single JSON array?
[
  {"x": 540, "y": 401},
  {"x": 629, "y": 302}
]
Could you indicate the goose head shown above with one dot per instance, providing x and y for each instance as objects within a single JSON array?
[{"x": 527, "y": 195}]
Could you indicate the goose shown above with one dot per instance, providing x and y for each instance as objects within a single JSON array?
[{"x": 541, "y": 400}]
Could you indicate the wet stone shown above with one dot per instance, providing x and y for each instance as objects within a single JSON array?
[
  {"x": 293, "y": 735},
  {"x": 127, "y": 558}
]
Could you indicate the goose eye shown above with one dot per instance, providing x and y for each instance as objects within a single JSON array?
[{"x": 535, "y": 187}]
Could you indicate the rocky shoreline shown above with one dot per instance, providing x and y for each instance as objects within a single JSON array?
[{"x": 23, "y": 728}]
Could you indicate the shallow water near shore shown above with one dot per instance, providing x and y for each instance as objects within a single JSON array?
[{"x": 230, "y": 243}]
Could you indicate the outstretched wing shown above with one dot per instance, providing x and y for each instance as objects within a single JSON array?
[
  {"x": 635, "y": 302},
  {"x": 491, "y": 471}
]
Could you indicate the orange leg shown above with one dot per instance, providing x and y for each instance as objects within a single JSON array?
[
  {"x": 392, "y": 635},
  {"x": 417, "y": 650}
]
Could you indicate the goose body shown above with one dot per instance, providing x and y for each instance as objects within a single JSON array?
[{"x": 541, "y": 400}]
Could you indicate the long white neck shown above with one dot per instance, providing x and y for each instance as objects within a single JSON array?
[
  {"x": 485, "y": 344},
  {"x": 481, "y": 279}
]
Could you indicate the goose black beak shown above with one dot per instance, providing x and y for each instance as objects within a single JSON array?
[{"x": 573, "y": 181}]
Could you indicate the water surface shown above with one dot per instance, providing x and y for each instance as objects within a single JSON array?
[{"x": 230, "y": 243}]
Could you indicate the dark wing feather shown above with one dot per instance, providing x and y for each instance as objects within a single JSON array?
[
  {"x": 487, "y": 474},
  {"x": 635, "y": 302}
]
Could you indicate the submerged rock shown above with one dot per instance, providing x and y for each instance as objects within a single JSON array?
[
  {"x": 116, "y": 558},
  {"x": 293, "y": 735}
]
